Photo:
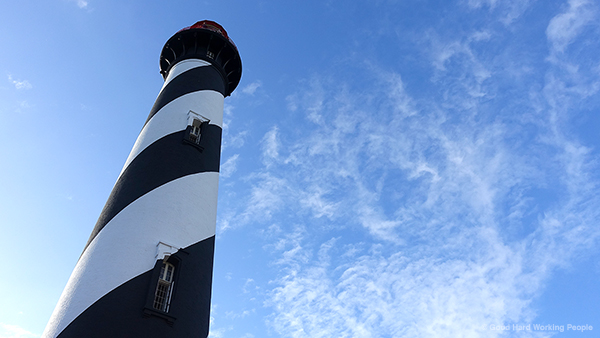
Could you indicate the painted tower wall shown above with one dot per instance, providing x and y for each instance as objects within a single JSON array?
[{"x": 162, "y": 207}]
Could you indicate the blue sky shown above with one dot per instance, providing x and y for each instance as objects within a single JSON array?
[{"x": 389, "y": 168}]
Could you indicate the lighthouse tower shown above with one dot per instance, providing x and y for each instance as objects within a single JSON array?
[{"x": 146, "y": 270}]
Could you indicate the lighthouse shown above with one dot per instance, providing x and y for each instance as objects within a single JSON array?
[{"x": 146, "y": 270}]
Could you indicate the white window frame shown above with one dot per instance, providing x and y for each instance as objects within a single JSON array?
[
  {"x": 195, "y": 120},
  {"x": 164, "y": 288}
]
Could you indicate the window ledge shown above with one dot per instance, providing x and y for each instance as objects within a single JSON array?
[{"x": 152, "y": 312}]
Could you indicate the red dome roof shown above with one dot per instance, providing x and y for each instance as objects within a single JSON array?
[{"x": 211, "y": 26}]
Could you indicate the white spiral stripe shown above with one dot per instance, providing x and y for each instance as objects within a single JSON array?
[{"x": 126, "y": 246}]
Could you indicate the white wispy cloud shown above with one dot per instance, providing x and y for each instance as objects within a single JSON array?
[
  {"x": 82, "y": 4},
  {"x": 252, "y": 87},
  {"x": 320, "y": 206},
  {"x": 508, "y": 10},
  {"x": 565, "y": 27},
  {"x": 268, "y": 195},
  {"x": 311, "y": 101},
  {"x": 19, "y": 84},
  {"x": 217, "y": 333},
  {"x": 230, "y": 166},
  {"x": 231, "y": 140},
  {"x": 270, "y": 144},
  {"x": 458, "y": 65},
  {"x": 480, "y": 3},
  {"x": 397, "y": 295},
  {"x": 14, "y": 331},
  {"x": 407, "y": 216}
]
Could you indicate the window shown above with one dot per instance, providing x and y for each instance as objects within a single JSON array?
[
  {"x": 161, "y": 295},
  {"x": 164, "y": 288},
  {"x": 193, "y": 132}
]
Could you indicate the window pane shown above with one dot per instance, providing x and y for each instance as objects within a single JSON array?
[
  {"x": 162, "y": 290},
  {"x": 164, "y": 287},
  {"x": 169, "y": 273}
]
